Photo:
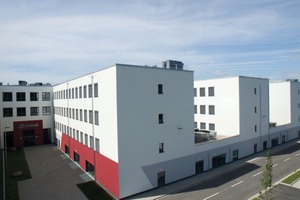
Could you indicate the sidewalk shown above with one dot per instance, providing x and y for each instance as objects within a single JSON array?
[
  {"x": 54, "y": 175},
  {"x": 178, "y": 186}
]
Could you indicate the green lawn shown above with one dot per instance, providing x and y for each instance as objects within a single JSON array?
[
  {"x": 93, "y": 191},
  {"x": 292, "y": 178},
  {"x": 16, "y": 161}
]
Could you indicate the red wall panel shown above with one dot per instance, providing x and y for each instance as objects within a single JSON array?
[{"x": 106, "y": 170}]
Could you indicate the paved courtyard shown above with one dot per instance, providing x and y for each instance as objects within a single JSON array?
[{"x": 54, "y": 175}]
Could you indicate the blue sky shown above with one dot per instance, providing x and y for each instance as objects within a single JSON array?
[{"x": 57, "y": 40}]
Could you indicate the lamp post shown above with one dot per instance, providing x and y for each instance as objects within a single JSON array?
[{"x": 4, "y": 155}]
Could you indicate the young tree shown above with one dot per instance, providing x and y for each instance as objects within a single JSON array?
[{"x": 266, "y": 180}]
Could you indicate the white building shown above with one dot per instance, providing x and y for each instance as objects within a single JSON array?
[
  {"x": 284, "y": 110},
  {"x": 236, "y": 106},
  {"x": 123, "y": 123},
  {"x": 26, "y": 116}
]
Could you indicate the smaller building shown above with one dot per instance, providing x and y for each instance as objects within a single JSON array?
[{"x": 26, "y": 116}]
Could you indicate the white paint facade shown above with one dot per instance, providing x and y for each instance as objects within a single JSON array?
[
  {"x": 23, "y": 103},
  {"x": 236, "y": 106}
]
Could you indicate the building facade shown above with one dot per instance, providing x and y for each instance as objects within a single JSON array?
[
  {"x": 26, "y": 116},
  {"x": 122, "y": 123}
]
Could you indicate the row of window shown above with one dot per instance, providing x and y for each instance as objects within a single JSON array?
[
  {"x": 202, "y": 126},
  {"x": 21, "y": 96},
  {"x": 79, "y": 136},
  {"x": 211, "y": 109},
  {"x": 79, "y": 114},
  {"x": 85, "y": 91},
  {"x": 202, "y": 92},
  {"x": 21, "y": 111}
]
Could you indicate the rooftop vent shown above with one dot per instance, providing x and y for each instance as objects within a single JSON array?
[
  {"x": 23, "y": 83},
  {"x": 173, "y": 64}
]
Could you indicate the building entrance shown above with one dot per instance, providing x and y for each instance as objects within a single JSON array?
[
  {"x": 28, "y": 137},
  {"x": 219, "y": 160}
]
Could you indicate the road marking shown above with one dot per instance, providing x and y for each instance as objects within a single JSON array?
[
  {"x": 274, "y": 165},
  {"x": 237, "y": 183},
  {"x": 211, "y": 196},
  {"x": 297, "y": 154},
  {"x": 257, "y": 174},
  {"x": 286, "y": 159},
  {"x": 254, "y": 159}
]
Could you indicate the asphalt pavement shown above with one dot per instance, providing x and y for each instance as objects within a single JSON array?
[{"x": 54, "y": 175}]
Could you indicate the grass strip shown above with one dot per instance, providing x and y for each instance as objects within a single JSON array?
[
  {"x": 93, "y": 191},
  {"x": 16, "y": 161},
  {"x": 292, "y": 178}
]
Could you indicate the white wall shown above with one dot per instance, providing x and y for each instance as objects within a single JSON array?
[
  {"x": 139, "y": 131},
  {"x": 226, "y": 102},
  {"x": 280, "y": 103},
  {"x": 8, "y": 121},
  {"x": 105, "y": 104}
]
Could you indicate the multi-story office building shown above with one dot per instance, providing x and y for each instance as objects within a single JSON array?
[
  {"x": 236, "y": 106},
  {"x": 26, "y": 116},
  {"x": 124, "y": 123}
]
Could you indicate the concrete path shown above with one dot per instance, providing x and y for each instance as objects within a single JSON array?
[{"x": 54, "y": 175}]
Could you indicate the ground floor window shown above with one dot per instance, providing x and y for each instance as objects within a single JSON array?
[
  {"x": 219, "y": 160},
  {"x": 89, "y": 168},
  {"x": 199, "y": 167},
  {"x": 77, "y": 157},
  {"x": 235, "y": 155},
  {"x": 67, "y": 149}
]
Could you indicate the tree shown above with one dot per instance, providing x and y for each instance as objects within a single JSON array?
[{"x": 266, "y": 180}]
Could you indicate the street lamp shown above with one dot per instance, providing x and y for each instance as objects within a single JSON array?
[{"x": 4, "y": 163}]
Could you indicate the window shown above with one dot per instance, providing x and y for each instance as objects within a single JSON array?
[
  {"x": 202, "y": 109},
  {"x": 84, "y": 91},
  {"x": 77, "y": 135},
  {"x": 21, "y": 96},
  {"x": 67, "y": 94},
  {"x": 80, "y": 92},
  {"x": 73, "y": 93},
  {"x": 76, "y": 92},
  {"x": 195, "y": 92},
  {"x": 46, "y": 96},
  {"x": 195, "y": 125},
  {"x": 80, "y": 114},
  {"x": 195, "y": 109},
  {"x": 161, "y": 147},
  {"x": 76, "y": 114},
  {"x": 21, "y": 112},
  {"x": 46, "y": 110},
  {"x": 160, "y": 118},
  {"x": 91, "y": 142},
  {"x": 85, "y": 116},
  {"x": 298, "y": 105},
  {"x": 73, "y": 133},
  {"x": 255, "y": 109},
  {"x": 202, "y": 126},
  {"x": 97, "y": 117},
  {"x": 90, "y": 116},
  {"x": 160, "y": 88},
  {"x": 211, "y": 91},
  {"x": 7, "y": 112},
  {"x": 96, "y": 90},
  {"x": 90, "y": 91},
  {"x": 81, "y": 137},
  {"x": 86, "y": 139},
  {"x": 7, "y": 96},
  {"x": 211, "y": 110},
  {"x": 34, "y": 111},
  {"x": 73, "y": 113},
  {"x": 211, "y": 127},
  {"x": 254, "y": 91},
  {"x": 97, "y": 145},
  {"x": 34, "y": 96},
  {"x": 255, "y": 128},
  {"x": 202, "y": 92}
]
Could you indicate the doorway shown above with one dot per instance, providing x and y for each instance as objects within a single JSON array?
[
  {"x": 28, "y": 137},
  {"x": 219, "y": 160},
  {"x": 161, "y": 179},
  {"x": 199, "y": 167}
]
